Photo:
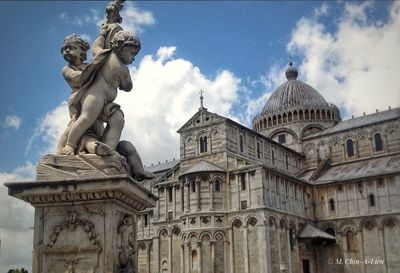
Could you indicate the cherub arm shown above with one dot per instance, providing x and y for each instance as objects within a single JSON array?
[
  {"x": 98, "y": 45},
  {"x": 72, "y": 76},
  {"x": 125, "y": 80}
]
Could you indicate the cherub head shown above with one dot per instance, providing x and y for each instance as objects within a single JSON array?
[
  {"x": 126, "y": 45},
  {"x": 74, "y": 49}
]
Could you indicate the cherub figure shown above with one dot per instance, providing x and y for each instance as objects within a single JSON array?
[
  {"x": 74, "y": 52},
  {"x": 101, "y": 80},
  {"x": 98, "y": 84}
]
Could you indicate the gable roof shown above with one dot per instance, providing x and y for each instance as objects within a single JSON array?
[
  {"x": 364, "y": 168},
  {"x": 203, "y": 166},
  {"x": 311, "y": 232},
  {"x": 196, "y": 119},
  {"x": 162, "y": 167}
]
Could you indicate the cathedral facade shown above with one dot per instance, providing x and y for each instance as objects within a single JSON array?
[{"x": 300, "y": 192}]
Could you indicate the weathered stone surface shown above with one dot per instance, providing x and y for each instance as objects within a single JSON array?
[
  {"x": 85, "y": 225},
  {"x": 60, "y": 167}
]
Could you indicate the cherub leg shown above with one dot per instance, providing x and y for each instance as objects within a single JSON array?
[
  {"x": 126, "y": 149},
  {"x": 63, "y": 139},
  {"x": 91, "y": 108},
  {"x": 112, "y": 133}
]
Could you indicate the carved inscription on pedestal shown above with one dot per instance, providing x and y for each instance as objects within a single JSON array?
[{"x": 72, "y": 247}]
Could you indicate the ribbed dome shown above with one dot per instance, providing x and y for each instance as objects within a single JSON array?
[
  {"x": 294, "y": 101},
  {"x": 294, "y": 95}
]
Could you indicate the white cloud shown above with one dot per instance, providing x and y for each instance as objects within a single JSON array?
[
  {"x": 353, "y": 65},
  {"x": 134, "y": 19},
  {"x": 50, "y": 128},
  {"x": 12, "y": 122},
  {"x": 165, "y": 95},
  {"x": 165, "y": 53},
  {"x": 93, "y": 17},
  {"x": 16, "y": 218},
  {"x": 321, "y": 10},
  {"x": 357, "y": 12}
]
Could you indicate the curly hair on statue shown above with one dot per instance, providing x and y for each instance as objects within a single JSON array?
[{"x": 124, "y": 38}]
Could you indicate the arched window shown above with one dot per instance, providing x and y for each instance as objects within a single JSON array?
[
  {"x": 217, "y": 185},
  {"x": 282, "y": 138},
  {"x": 378, "y": 142},
  {"x": 351, "y": 241},
  {"x": 203, "y": 144},
  {"x": 243, "y": 181},
  {"x": 241, "y": 143},
  {"x": 331, "y": 231},
  {"x": 371, "y": 200},
  {"x": 145, "y": 219},
  {"x": 350, "y": 148},
  {"x": 170, "y": 194},
  {"x": 193, "y": 184},
  {"x": 292, "y": 238},
  {"x": 258, "y": 150},
  {"x": 331, "y": 204},
  {"x": 194, "y": 260}
]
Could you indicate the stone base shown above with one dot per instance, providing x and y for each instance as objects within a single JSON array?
[
  {"x": 85, "y": 225},
  {"x": 60, "y": 167}
]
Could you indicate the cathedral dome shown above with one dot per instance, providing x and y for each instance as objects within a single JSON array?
[
  {"x": 294, "y": 94},
  {"x": 294, "y": 101}
]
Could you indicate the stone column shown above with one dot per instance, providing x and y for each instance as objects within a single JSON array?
[
  {"x": 182, "y": 258},
  {"x": 166, "y": 200},
  {"x": 85, "y": 222},
  {"x": 246, "y": 249},
  {"x": 170, "y": 253},
  {"x": 158, "y": 204},
  {"x": 230, "y": 232},
  {"x": 226, "y": 251},
  {"x": 237, "y": 191},
  {"x": 289, "y": 261},
  {"x": 248, "y": 190},
  {"x": 264, "y": 247},
  {"x": 149, "y": 246},
  {"x": 278, "y": 240},
  {"x": 212, "y": 243},
  {"x": 182, "y": 191},
  {"x": 211, "y": 191},
  {"x": 384, "y": 143},
  {"x": 229, "y": 194},
  {"x": 188, "y": 257},
  {"x": 198, "y": 185},
  {"x": 199, "y": 260},
  {"x": 382, "y": 243},
  {"x": 156, "y": 243},
  {"x": 174, "y": 201},
  {"x": 187, "y": 196}
]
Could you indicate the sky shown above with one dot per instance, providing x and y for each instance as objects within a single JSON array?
[{"x": 236, "y": 51}]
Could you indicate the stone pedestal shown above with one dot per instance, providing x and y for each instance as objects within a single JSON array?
[{"x": 84, "y": 224}]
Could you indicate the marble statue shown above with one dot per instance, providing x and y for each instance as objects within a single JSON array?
[
  {"x": 94, "y": 89},
  {"x": 87, "y": 197}
]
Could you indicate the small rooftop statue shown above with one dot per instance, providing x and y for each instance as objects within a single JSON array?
[{"x": 94, "y": 87}]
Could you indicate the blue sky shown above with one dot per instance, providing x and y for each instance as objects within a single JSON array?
[{"x": 236, "y": 51}]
